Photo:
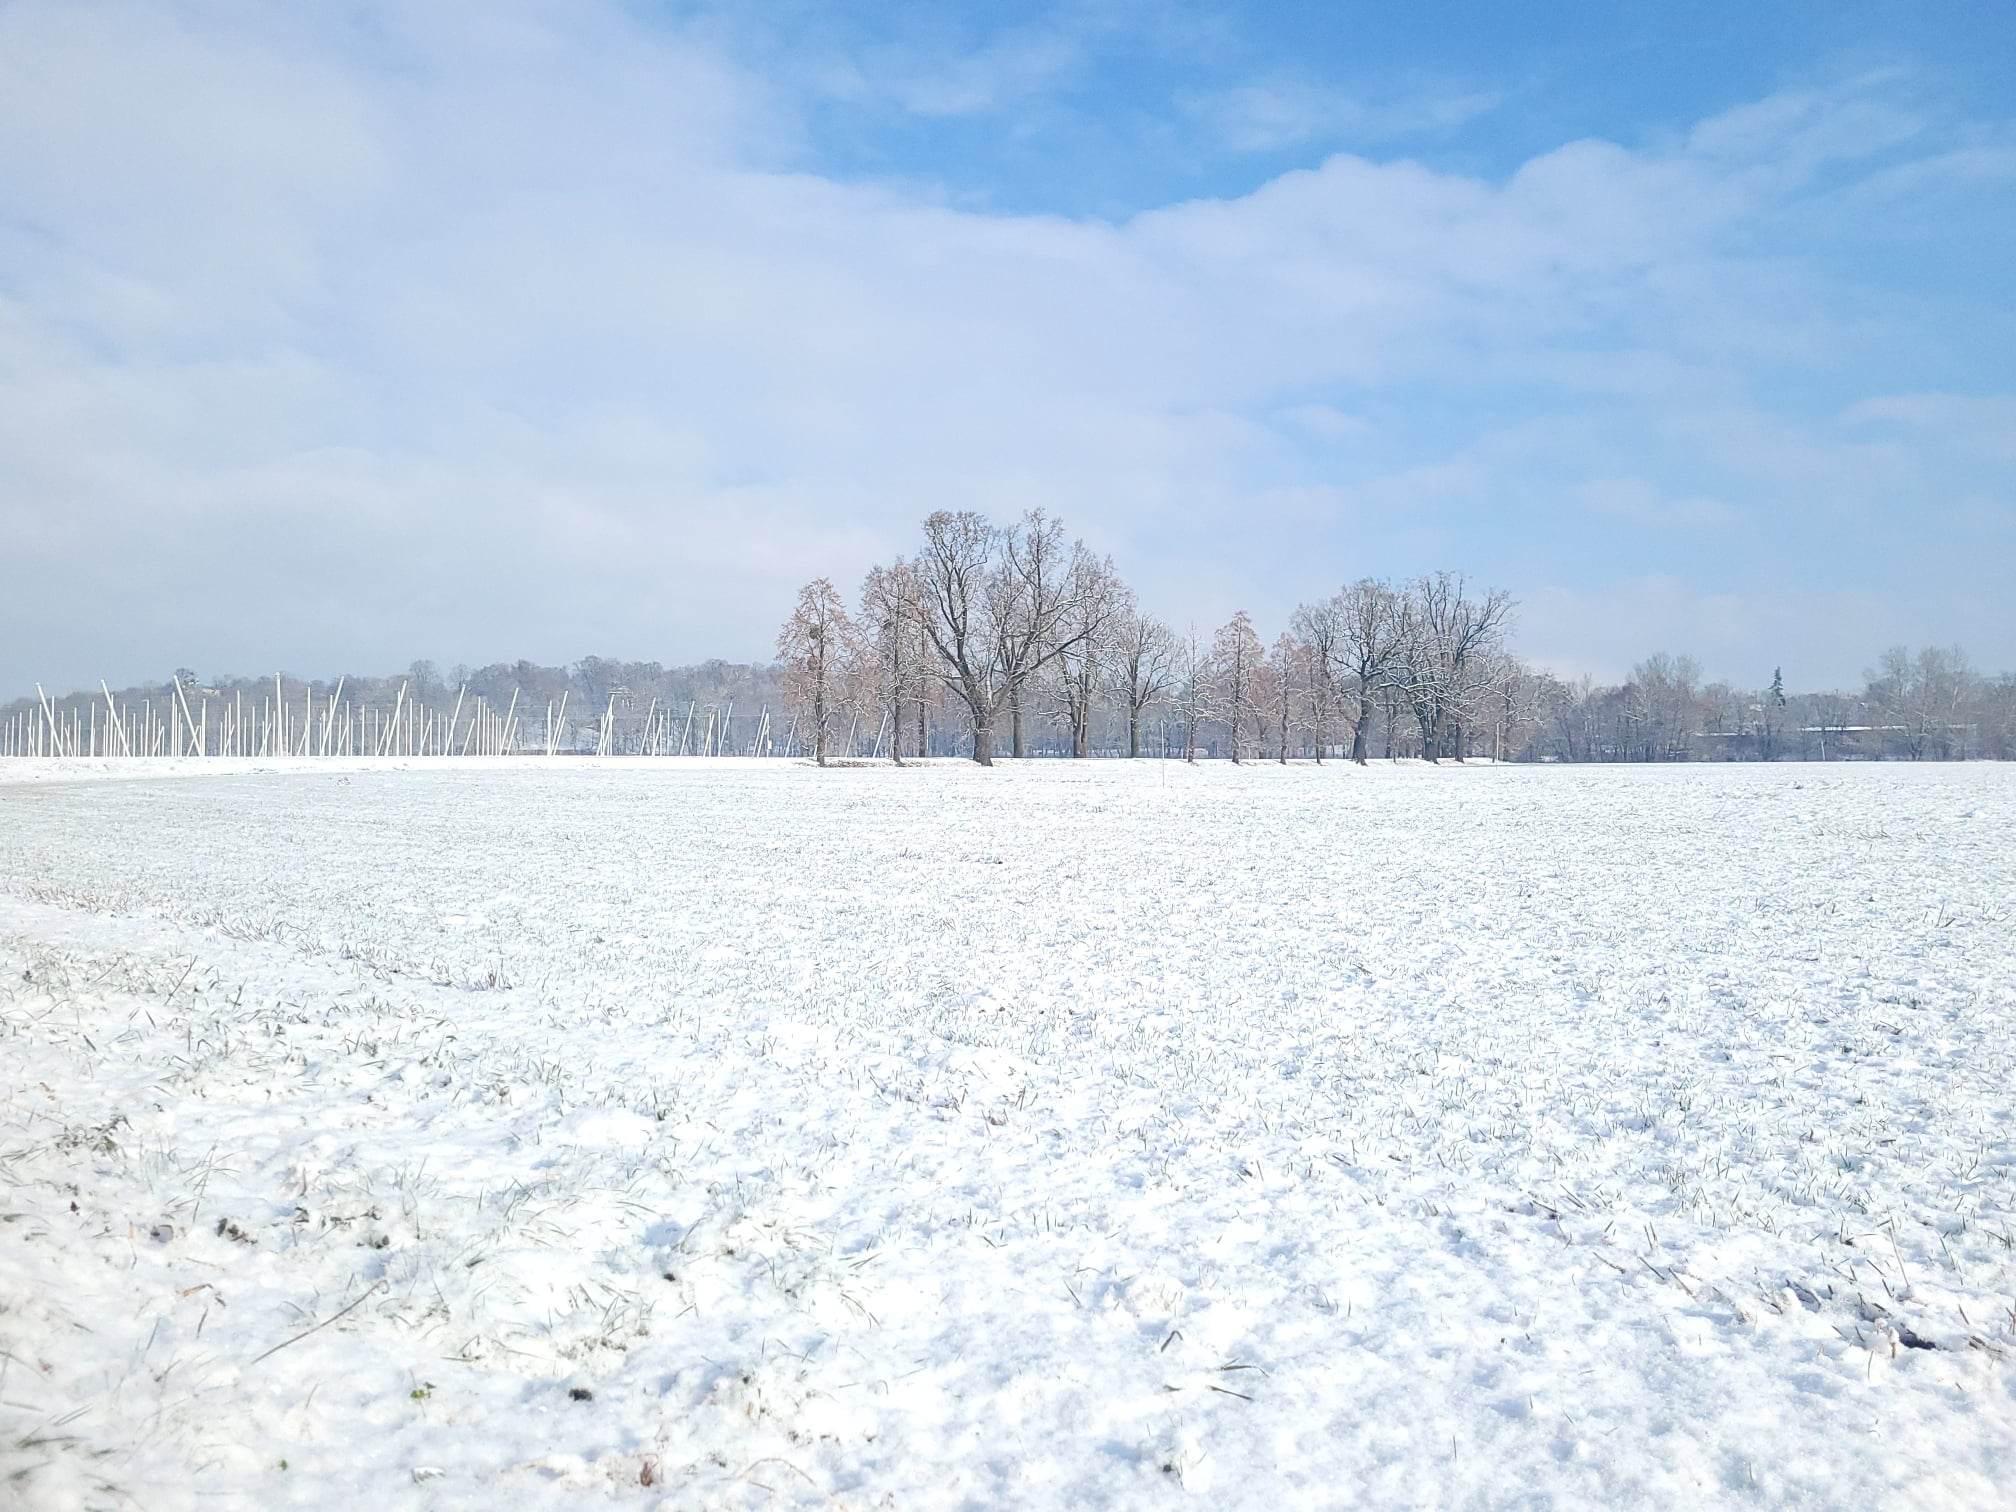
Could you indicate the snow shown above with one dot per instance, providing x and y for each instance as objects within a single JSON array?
[{"x": 544, "y": 1134}]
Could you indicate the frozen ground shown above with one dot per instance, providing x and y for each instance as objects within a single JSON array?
[{"x": 1098, "y": 1135}]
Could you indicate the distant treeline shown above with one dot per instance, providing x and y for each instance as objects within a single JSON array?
[
  {"x": 1023, "y": 635},
  {"x": 1144, "y": 689}
]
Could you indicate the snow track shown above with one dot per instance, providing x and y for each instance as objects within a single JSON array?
[{"x": 1106, "y": 1134}]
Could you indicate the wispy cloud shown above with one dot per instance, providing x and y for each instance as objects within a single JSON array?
[
  {"x": 1271, "y": 115},
  {"x": 949, "y": 80},
  {"x": 1640, "y": 503},
  {"x": 1982, "y": 425}
]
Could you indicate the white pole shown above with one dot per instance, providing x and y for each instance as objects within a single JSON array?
[
  {"x": 124, "y": 748},
  {"x": 329, "y": 714},
  {"x": 392, "y": 726},
  {"x": 448, "y": 744},
  {"x": 55, "y": 734},
  {"x": 183, "y": 699}
]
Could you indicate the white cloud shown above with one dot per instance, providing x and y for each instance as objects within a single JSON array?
[{"x": 370, "y": 335}]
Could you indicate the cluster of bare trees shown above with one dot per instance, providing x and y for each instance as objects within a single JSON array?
[
  {"x": 1010, "y": 623},
  {"x": 990, "y": 631},
  {"x": 1018, "y": 625}
]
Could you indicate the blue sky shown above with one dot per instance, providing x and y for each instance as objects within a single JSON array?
[{"x": 338, "y": 335}]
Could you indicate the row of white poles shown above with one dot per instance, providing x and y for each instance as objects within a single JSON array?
[{"x": 274, "y": 726}]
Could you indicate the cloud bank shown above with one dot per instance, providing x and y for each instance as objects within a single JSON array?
[{"x": 330, "y": 337}]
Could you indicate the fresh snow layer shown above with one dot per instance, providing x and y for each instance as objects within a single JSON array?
[{"x": 546, "y": 1134}]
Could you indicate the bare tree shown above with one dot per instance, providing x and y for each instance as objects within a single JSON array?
[
  {"x": 814, "y": 647},
  {"x": 1444, "y": 640},
  {"x": 1193, "y": 692},
  {"x": 998, "y": 607},
  {"x": 1316, "y": 628},
  {"x": 953, "y": 571},
  {"x": 1926, "y": 697},
  {"x": 1044, "y": 603},
  {"x": 1236, "y": 663},
  {"x": 1287, "y": 665},
  {"x": 1511, "y": 702},
  {"x": 1093, "y": 605},
  {"x": 1664, "y": 696},
  {"x": 1364, "y": 634},
  {"x": 1144, "y": 667},
  {"x": 892, "y": 624}
]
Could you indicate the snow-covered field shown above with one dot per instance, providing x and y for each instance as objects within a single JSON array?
[{"x": 718, "y": 1135}]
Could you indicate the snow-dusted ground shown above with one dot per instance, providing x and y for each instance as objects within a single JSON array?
[{"x": 737, "y": 1134}]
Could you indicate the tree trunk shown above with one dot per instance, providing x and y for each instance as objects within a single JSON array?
[
  {"x": 1133, "y": 732},
  {"x": 983, "y": 740},
  {"x": 1359, "y": 729},
  {"x": 1016, "y": 741},
  {"x": 921, "y": 751}
]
